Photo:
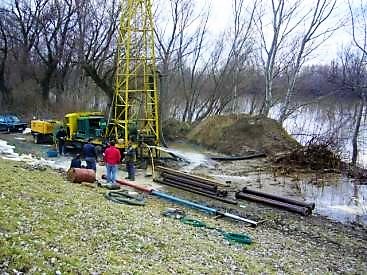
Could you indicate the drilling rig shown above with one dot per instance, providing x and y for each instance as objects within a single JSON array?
[{"x": 134, "y": 116}]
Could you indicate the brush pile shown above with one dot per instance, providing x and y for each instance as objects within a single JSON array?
[{"x": 316, "y": 155}]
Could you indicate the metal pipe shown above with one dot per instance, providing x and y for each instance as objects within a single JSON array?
[
  {"x": 201, "y": 207},
  {"x": 189, "y": 187},
  {"x": 185, "y": 202},
  {"x": 188, "y": 176},
  {"x": 136, "y": 186},
  {"x": 188, "y": 181},
  {"x": 221, "y": 193},
  {"x": 291, "y": 207},
  {"x": 279, "y": 198},
  {"x": 258, "y": 155},
  {"x": 209, "y": 195}
]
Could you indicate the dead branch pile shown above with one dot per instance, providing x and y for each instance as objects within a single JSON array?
[
  {"x": 319, "y": 155},
  {"x": 316, "y": 155}
]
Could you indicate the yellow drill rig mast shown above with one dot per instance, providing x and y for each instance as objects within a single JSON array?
[{"x": 134, "y": 115}]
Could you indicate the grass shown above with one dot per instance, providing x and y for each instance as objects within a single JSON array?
[{"x": 48, "y": 224}]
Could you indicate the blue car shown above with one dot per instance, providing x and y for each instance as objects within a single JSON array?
[{"x": 11, "y": 123}]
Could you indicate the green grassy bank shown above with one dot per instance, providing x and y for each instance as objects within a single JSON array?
[{"x": 50, "y": 225}]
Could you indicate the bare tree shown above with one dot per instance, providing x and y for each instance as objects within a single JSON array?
[
  {"x": 56, "y": 23},
  {"x": 354, "y": 82},
  {"x": 285, "y": 51},
  {"x": 304, "y": 45},
  {"x": 99, "y": 27},
  {"x": 4, "y": 52},
  {"x": 190, "y": 70},
  {"x": 358, "y": 81},
  {"x": 359, "y": 24},
  {"x": 175, "y": 42},
  {"x": 27, "y": 27},
  {"x": 242, "y": 27},
  {"x": 281, "y": 16}
]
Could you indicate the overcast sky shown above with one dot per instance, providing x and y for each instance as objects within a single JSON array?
[{"x": 221, "y": 14}]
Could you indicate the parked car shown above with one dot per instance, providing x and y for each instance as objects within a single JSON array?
[{"x": 11, "y": 123}]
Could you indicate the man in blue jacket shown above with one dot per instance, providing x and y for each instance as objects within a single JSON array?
[{"x": 90, "y": 155}]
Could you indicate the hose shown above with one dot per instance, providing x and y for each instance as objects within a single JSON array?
[
  {"x": 123, "y": 197},
  {"x": 229, "y": 236}
]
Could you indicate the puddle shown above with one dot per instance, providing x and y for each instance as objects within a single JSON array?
[{"x": 344, "y": 201}]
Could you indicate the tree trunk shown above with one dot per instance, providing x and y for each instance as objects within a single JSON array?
[
  {"x": 6, "y": 93},
  {"x": 356, "y": 132},
  {"x": 45, "y": 86}
]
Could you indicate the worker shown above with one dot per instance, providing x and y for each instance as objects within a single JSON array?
[
  {"x": 60, "y": 138},
  {"x": 76, "y": 162},
  {"x": 90, "y": 155},
  {"x": 130, "y": 157},
  {"x": 112, "y": 158}
]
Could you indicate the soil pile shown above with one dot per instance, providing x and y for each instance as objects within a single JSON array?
[
  {"x": 238, "y": 135},
  {"x": 174, "y": 129}
]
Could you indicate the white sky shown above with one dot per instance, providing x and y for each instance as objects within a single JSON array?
[{"x": 221, "y": 14}]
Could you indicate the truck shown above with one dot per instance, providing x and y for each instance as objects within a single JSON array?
[
  {"x": 82, "y": 126},
  {"x": 43, "y": 130}
]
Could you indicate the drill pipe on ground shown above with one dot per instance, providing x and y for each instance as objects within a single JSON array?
[
  {"x": 291, "y": 207},
  {"x": 188, "y": 181},
  {"x": 202, "y": 207},
  {"x": 135, "y": 186},
  {"x": 209, "y": 210},
  {"x": 205, "y": 194},
  {"x": 188, "y": 176},
  {"x": 189, "y": 187},
  {"x": 311, "y": 206}
]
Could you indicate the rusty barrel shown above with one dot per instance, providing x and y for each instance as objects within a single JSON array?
[{"x": 79, "y": 175}]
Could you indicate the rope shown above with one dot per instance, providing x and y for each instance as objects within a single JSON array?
[
  {"x": 123, "y": 197},
  {"x": 229, "y": 236}
]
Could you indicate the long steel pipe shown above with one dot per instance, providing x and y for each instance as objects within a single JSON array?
[
  {"x": 188, "y": 181},
  {"x": 291, "y": 207},
  {"x": 279, "y": 198},
  {"x": 209, "y": 195},
  {"x": 188, "y": 187},
  {"x": 188, "y": 176},
  {"x": 202, "y": 207},
  {"x": 177, "y": 181},
  {"x": 136, "y": 186}
]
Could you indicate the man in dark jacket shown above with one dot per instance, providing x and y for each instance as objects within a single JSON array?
[
  {"x": 76, "y": 162},
  {"x": 90, "y": 155},
  {"x": 112, "y": 158},
  {"x": 130, "y": 158},
  {"x": 60, "y": 137}
]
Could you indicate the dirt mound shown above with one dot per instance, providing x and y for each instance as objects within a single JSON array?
[
  {"x": 238, "y": 135},
  {"x": 174, "y": 129}
]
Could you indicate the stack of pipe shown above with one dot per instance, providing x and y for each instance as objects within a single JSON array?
[
  {"x": 192, "y": 184},
  {"x": 292, "y": 205}
]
